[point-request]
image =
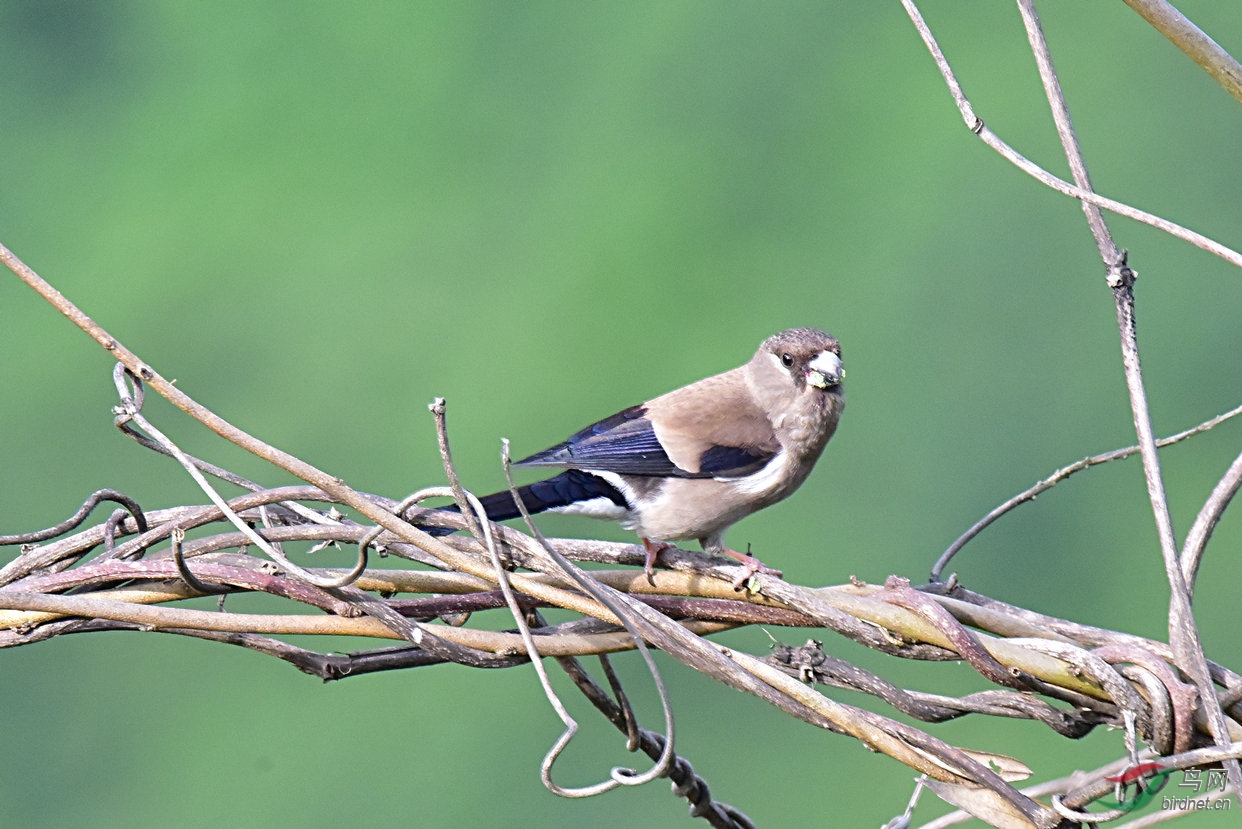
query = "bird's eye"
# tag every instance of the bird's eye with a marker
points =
(787, 360)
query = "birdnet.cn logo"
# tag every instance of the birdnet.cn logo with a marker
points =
(1141, 785)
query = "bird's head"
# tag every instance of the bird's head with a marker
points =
(797, 361)
(797, 378)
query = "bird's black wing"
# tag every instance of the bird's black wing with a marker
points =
(573, 486)
(626, 444)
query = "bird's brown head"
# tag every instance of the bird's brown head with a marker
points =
(799, 360)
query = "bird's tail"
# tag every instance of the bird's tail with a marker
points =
(571, 487)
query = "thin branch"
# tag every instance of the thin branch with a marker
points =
(130, 409)
(1205, 522)
(438, 411)
(480, 526)
(484, 643)
(1183, 633)
(1121, 280)
(1192, 40)
(976, 125)
(328, 483)
(618, 604)
(810, 663)
(78, 517)
(920, 751)
(686, 783)
(1065, 472)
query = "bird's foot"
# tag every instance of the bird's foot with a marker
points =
(653, 548)
(751, 566)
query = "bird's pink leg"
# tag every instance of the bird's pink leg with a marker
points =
(750, 565)
(653, 548)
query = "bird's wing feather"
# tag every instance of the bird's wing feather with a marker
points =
(624, 443)
(714, 427)
(629, 443)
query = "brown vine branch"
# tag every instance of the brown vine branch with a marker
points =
(1051, 651)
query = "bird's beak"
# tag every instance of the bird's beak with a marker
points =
(825, 371)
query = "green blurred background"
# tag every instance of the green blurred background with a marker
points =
(319, 216)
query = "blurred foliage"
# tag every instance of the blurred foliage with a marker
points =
(318, 216)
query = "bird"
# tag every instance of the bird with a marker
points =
(694, 461)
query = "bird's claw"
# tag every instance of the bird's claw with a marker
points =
(751, 567)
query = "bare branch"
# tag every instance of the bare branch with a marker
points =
(686, 783)
(976, 125)
(78, 517)
(1188, 37)
(616, 602)
(1050, 651)
(1201, 531)
(1183, 633)
(1065, 472)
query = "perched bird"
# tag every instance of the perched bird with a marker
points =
(695, 461)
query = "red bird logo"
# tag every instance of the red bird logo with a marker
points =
(1135, 772)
